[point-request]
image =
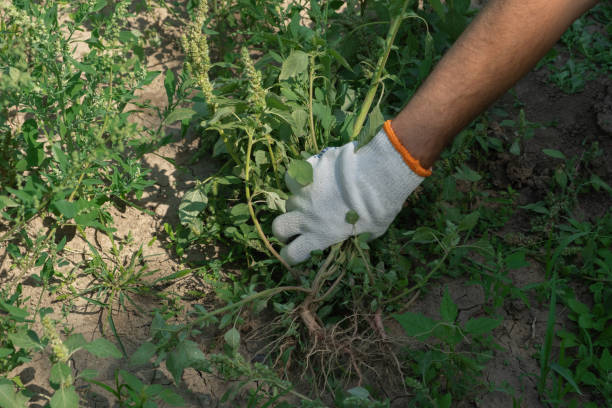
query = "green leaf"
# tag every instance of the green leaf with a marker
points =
(595, 181)
(232, 338)
(171, 398)
(561, 178)
(185, 354)
(131, 381)
(65, 398)
(170, 85)
(295, 64)
(536, 207)
(61, 375)
(151, 75)
(554, 153)
(371, 128)
(75, 342)
(60, 157)
(339, 58)
(424, 235)
(7, 202)
(324, 114)
(567, 374)
(144, 354)
(260, 157)
(516, 260)
(301, 171)
(179, 114)
(359, 392)
(351, 217)
(469, 221)
(515, 148)
(99, 5)
(88, 374)
(467, 174)
(427, 62)
(101, 347)
(577, 306)
(436, 5)
(129, 36)
(173, 276)
(16, 313)
(448, 309)
(480, 325)
(274, 201)
(444, 401)
(67, 208)
(193, 203)
(88, 69)
(605, 361)
(9, 398)
(416, 324)
(240, 213)
(298, 121)
(26, 339)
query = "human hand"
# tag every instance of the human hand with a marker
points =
(372, 182)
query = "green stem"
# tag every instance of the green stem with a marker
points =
(380, 66)
(247, 190)
(265, 293)
(313, 136)
(273, 159)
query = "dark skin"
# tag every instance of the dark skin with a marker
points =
(500, 46)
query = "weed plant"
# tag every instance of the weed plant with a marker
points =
(68, 150)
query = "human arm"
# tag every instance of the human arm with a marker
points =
(502, 44)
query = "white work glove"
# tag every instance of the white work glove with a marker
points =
(374, 182)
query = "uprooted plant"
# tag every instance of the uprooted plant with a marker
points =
(266, 118)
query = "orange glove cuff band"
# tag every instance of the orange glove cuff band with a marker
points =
(408, 159)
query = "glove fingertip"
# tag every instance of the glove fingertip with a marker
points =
(287, 225)
(291, 257)
(299, 249)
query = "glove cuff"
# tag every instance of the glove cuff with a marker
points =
(380, 170)
(408, 159)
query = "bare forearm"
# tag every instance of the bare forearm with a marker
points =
(502, 44)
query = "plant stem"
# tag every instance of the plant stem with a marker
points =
(313, 137)
(266, 293)
(273, 159)
(247, 190)
(380, 66)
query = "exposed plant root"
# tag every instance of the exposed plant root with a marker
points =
(314, 328)
(347, 349)
(356, 349)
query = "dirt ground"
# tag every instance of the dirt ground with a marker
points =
(580, 119)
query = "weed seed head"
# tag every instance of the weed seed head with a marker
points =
(257, 95)
(58, 348)
(195, 44)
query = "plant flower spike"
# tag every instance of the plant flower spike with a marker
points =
(195, 44)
